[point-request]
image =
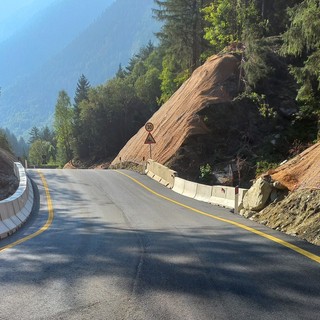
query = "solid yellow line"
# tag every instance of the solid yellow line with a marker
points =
(46, 225)
(284, 243)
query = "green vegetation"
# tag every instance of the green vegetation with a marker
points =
(206, 173)
(260, 33)
(43, 147)
(63, 128)
(302, 40)
(264, 166)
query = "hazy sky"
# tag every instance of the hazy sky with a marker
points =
(14, 14)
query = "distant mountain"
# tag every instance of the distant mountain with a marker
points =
(46, 33)
(110, 40)
(16, 14)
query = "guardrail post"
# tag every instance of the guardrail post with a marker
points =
(236, 200)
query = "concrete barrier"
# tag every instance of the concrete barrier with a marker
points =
(203, 192)
(218, 195)
(178, 185)
(15, 210)
(190, 189)
(223, 196)
(160, 173)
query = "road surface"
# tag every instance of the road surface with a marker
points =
(109, 247)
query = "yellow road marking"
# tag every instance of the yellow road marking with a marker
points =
(284, 243)
(46, 225)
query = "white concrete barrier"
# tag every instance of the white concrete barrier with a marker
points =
(190, 189)
(223, 196)
(15, 210)
(160, 173)
(218, 195)
(203, 192)
(178, 185)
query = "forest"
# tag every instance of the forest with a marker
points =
(98, 121)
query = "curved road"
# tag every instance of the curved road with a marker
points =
(117, 249)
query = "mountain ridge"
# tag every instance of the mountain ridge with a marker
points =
(110, 40)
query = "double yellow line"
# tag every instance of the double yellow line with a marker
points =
(284, 243)
(46, 225)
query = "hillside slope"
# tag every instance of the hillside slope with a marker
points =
(44, 35)
(178, 118)
(206, 123)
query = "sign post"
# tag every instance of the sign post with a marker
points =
(150, 139)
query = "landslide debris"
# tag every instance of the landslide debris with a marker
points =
(298, 213)
(8, 181)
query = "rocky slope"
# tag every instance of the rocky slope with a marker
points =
(299, 213)
(296, 212)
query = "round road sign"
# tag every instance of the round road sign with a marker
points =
(149, 126)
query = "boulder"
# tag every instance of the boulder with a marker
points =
(257, 196)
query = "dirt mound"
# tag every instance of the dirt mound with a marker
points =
(178, 118)
(301, 172)
(8, 181)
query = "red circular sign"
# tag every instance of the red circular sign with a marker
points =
(149, 126)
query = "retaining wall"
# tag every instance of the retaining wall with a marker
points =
(15, 210)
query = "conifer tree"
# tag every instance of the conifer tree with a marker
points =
(181, 39)
(81, 94)
(34, 134)
(302, 40)
(82, 89)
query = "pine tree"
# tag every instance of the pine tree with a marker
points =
(34, 134)
(82, 89)
(182, 31)
(302, 39)
(81, 94)
(181, 39)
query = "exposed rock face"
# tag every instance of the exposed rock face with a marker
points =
(178, 118)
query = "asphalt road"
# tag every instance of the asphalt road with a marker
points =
(116, 250)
